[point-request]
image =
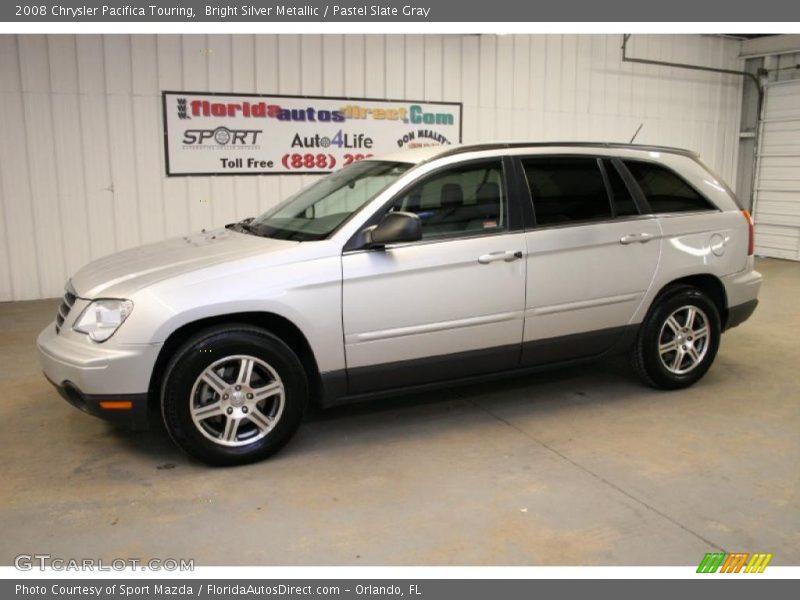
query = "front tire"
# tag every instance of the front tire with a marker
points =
(233, 395)
(679, 339)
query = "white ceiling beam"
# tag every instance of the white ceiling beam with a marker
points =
(769, 45)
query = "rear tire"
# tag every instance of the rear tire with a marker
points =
(233, 395)
(678, 340)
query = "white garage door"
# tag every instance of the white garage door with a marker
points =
(777, 192)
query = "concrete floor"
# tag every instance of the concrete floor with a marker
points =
(579, 466)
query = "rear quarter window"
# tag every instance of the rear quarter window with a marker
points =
(666, 192)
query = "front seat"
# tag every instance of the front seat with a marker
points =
(451, 200)
(485, 214)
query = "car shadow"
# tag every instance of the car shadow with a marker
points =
(571, 379)
(543, 392)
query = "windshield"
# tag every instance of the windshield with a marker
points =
(317, 211)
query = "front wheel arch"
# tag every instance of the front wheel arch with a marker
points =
(275, 324)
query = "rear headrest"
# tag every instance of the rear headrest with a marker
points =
(489, 192)
(452, 196)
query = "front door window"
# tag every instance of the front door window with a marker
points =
(461, 201)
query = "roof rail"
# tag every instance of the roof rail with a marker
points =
(611, 145)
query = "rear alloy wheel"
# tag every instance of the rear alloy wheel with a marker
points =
(683, 342)
(678, 340)
(233, 395)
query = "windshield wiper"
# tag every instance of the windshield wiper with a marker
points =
(249, 228)
(243, 225)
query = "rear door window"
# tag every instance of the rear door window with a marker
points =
(567, 190)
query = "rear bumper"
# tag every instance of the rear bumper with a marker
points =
(740, 313)
(125, 410)
(742, 287)
(741, 290)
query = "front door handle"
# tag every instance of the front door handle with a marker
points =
(506, 255)
(636, 238)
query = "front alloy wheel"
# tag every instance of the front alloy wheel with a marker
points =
(233, 394)
(237, 400)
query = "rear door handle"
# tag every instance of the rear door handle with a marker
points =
(636, 238)
(505, 255)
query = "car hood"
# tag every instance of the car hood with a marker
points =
(120, 274)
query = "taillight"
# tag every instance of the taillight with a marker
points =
(750, 233)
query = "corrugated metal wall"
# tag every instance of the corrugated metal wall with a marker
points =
(81, 157)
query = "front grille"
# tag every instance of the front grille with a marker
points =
(66, 305)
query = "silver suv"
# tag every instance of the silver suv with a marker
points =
(432, 266)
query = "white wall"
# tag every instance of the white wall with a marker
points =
(786, 67)
(81, 153)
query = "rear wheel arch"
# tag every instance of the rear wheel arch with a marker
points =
(280, 326)
(709, 284)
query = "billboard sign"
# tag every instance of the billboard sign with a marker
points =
(243, 134)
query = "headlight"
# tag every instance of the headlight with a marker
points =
(102, 318)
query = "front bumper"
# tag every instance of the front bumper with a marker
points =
(105, 380)
(126, 410)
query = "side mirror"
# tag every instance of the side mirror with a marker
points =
(394, 228)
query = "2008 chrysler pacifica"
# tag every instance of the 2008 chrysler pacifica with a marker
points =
(429, 266)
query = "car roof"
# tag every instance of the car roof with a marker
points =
(426, 153)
